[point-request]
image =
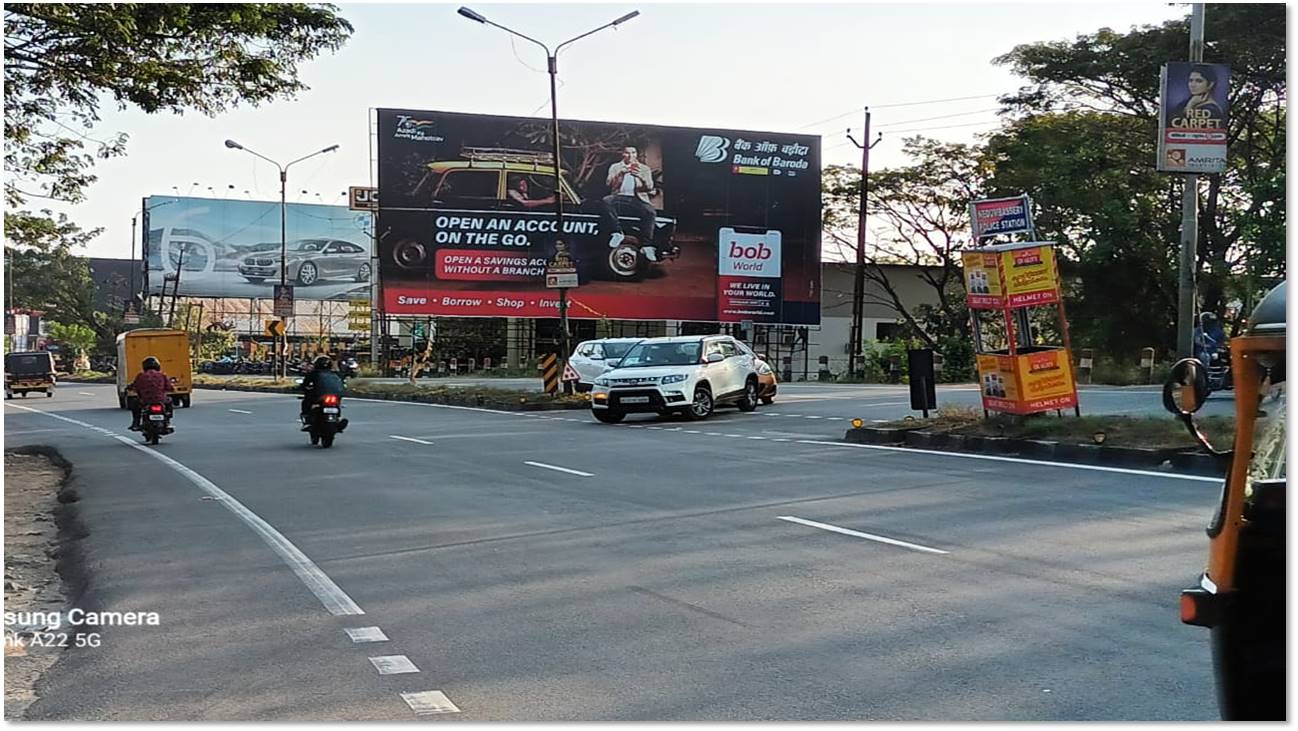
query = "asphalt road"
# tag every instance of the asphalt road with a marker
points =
(543, 567)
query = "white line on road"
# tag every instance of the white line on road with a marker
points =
(393, 665)
(1016, 460)
(409, 439)
(543, 465)
(366, 634)
(85, 393)
(239, 411)
(858, 534)
(334, 599)
(429, 702)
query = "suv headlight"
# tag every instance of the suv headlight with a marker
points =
(674, 378)
(601, 381)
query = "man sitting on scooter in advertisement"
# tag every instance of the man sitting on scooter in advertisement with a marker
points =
(322, 380)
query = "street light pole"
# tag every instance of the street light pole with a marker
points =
(552, 59)
(283, 227)
(1185, 298)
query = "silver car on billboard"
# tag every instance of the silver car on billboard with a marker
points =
(308, 262)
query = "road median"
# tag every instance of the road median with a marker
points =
(489, 398)
(1115, 440)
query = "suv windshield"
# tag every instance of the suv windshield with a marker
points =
(662, 354)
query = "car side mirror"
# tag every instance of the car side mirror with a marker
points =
(715, 357)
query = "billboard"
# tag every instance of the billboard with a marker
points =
(231, 248)
(1194, 117)
(1001, 216)
(661, 222)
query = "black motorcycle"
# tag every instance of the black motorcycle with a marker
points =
(155, 421)
(325, 419)
(1218, 369)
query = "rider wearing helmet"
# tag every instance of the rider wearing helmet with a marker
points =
(320, 381)
(151, 386)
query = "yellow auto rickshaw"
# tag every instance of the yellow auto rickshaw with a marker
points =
(1241, 594)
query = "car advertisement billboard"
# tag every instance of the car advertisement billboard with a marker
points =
(231, 248)
(1195, 114)
(661, 222)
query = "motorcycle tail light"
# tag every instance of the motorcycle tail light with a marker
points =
(329, 399)
(155, 408)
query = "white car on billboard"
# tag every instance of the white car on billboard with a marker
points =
(592, 357)
(688, 375)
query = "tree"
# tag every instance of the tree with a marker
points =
(45, 272)
(1115, 75)
(918, 215)
(62, 59)
(79, 338)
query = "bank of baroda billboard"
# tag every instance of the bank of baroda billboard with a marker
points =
(663, 222)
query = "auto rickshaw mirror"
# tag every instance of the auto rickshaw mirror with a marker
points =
(1186, 388)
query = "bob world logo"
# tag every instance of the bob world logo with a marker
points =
(712, 148)
(418, 130)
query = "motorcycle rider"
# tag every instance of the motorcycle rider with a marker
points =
(322, 380)
(151, 386)
(1208, 337)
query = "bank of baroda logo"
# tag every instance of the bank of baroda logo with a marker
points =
(712, 148)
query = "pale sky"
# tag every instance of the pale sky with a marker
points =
(773, 67)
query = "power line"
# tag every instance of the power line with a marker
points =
(944, 116)
(861, 109)
(914, 129)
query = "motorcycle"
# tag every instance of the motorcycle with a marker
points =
(348, 368)
(155, 421)
(325, 419)
(1219, 375)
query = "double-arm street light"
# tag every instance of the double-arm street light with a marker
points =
(552, 58)
(283, 213)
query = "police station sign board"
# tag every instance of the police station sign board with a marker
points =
(1001, 216)
(660, 222)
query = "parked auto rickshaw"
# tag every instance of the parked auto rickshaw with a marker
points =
(29, 371)
(1241, 594)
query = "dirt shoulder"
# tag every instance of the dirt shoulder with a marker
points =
(1147, 432)
(31, 585)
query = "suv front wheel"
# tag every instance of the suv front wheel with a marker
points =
(748, 402)
(702, 406)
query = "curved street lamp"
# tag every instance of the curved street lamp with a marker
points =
(552, 59)
(283, 213)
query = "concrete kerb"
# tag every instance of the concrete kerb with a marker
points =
(441, 399)
(1182, 460)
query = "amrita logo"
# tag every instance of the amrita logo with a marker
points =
(712, 149)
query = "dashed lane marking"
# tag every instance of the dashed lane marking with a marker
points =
(393, 665)
(859, 534)
(556, 468)
(366, 634)
(410, 439)
(239, 411)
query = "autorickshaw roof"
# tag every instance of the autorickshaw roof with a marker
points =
(1269, 317)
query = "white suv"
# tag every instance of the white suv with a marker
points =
(591, 358)
(689, 375)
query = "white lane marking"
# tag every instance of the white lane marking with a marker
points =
(543, 465)
(409, 439)
(733, 436)
(239, 411)
(393, 665)
(714, 433)
(366, 634)
(859, 534)
(1017, 460)
(770, 414)
(780, 439)
(429, 702)
(692, 431)
(85, 393)
(833, 418)
(811, 417)
(756, 437)
(334, 599)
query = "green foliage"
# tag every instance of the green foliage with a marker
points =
(63, 60)
(78, 338)
(1083, 145)
(46, 273)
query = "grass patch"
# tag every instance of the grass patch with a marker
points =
(1149, 432)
